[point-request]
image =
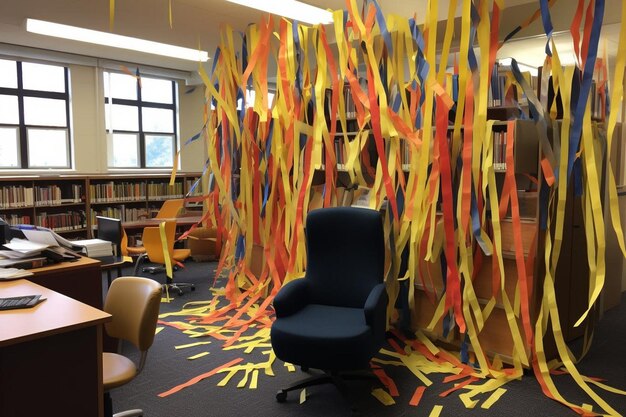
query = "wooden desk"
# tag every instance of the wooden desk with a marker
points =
(80, 280)
(180, 221)
(50, 355)
(112, 262)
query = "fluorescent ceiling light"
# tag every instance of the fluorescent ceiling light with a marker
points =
(292, 9)
(117, 41)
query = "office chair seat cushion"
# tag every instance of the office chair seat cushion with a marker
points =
(324, 337)
(135, 250)
(181, 254)
(117, 370)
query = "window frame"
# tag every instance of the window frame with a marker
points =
(22, 127)
(140, 104)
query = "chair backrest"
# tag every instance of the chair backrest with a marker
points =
(345, 254)
(123, 244)
(134, 304)
(152, 242)
(170, 209)
(111, 230)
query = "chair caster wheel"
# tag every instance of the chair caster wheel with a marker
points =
(281, 396)
(193, 288)
(180, 293)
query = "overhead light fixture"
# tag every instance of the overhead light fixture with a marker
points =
(292, 9)
(116, 41)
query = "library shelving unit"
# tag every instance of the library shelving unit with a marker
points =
(58, 203)
(343, 140)
(495, 337)
(69, 203)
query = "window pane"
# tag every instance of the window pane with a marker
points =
(157, 91)
(8, 74)
(125, 117)
(9, 112)
(122, 86)
(124, 150)
(159, 151)
(43, 77)
(157, 120)
(44, 111)
(9, 148)
(48, 148)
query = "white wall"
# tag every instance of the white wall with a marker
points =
(87, 120)
(191, 115)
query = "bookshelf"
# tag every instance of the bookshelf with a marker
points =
(495, 337)
(69, 204)
(55, 202)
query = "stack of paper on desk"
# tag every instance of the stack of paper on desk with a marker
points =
(24, 247)
(12, 273)
(95, 248)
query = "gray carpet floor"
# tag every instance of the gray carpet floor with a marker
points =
(167, 367)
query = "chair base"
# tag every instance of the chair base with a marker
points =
(153, 269)
(169, 286)
(129, 413)
(329, 377)
(108, 409)
(178, 287)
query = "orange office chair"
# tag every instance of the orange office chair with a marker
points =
(130, 250)
(154, 252)
(134, 304)
(170, 209)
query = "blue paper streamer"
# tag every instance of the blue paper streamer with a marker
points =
(380, 18)
(547, 24)
(578, 106)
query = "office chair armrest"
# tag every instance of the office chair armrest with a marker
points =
(291, 297)
(375, 309)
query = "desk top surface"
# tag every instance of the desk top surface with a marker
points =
(109, 262)
(57, 314)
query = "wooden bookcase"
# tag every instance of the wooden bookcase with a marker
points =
(68, 204)
(495, 337)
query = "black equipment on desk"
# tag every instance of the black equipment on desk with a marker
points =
(5, 232)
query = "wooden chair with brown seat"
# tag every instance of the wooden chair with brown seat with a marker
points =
(134, 304)
(202, 243)
(155, 253)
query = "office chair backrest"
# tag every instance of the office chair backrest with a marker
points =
(152, 242)
(134, 304)
(346, 254)
(110, 229)
(170, 209)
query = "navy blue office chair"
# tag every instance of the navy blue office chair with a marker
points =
(334, 319)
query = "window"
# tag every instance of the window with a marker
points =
(140, 120)
(250, 97)
(34, 115)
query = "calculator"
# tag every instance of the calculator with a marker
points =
(23, 301)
